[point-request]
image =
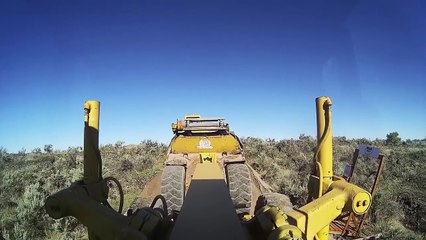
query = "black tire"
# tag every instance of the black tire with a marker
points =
(239, 184)
(173, 187)
(276, 200)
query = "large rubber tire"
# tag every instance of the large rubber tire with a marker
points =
(239, 184)
(173, 187)
(274, 199)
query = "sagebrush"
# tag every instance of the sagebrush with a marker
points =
(398, 210)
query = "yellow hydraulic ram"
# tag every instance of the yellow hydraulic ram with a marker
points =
(92, 158)
(324, 153)
(86, 200)
(332, 194)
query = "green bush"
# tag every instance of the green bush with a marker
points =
(398, 210)
(393, 138)
(28, 179)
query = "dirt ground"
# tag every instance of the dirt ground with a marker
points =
(152, 188)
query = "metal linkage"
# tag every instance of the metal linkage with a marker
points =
(205, 123)
(86, 200)
(331, 194)
(197, 123)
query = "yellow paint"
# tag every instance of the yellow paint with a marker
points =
(205, 144)
(325, 136)
(247, 217)
(208, 170)
(285, 232)
(273, 221)
(92, 160)
(324, 153)
(315, 216)
(323, 233)
(91, 113)
(321, 179)
(178, 126)
(208, 157)
(192, 116)
(333, 194)
(270, 218)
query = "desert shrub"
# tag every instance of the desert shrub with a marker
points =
(48, 148)
(393, 138)
(285, 164)
(126, 165)
(398, 209)
(36, 151)
(26, 179)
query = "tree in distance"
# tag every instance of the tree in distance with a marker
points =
(393, 139)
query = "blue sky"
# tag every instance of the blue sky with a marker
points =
(259, 64)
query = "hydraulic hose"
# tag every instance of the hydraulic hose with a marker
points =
(120, 190)
(164, 203)
(326, 132)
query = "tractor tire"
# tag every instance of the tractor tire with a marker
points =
(173, 187)
(239, 184)
(276, 200)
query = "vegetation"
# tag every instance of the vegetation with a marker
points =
(399, 207)
(27, 178)
(393, 138)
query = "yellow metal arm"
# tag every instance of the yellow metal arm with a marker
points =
(333, 194)
(86, 200)
(342, 196)
(324, 152)
(92, 157)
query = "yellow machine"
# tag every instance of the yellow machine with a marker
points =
(200, 140)
(207, 190)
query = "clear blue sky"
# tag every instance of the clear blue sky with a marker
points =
(260, 64)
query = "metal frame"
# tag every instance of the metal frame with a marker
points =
(353, 225)
(86, 200)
